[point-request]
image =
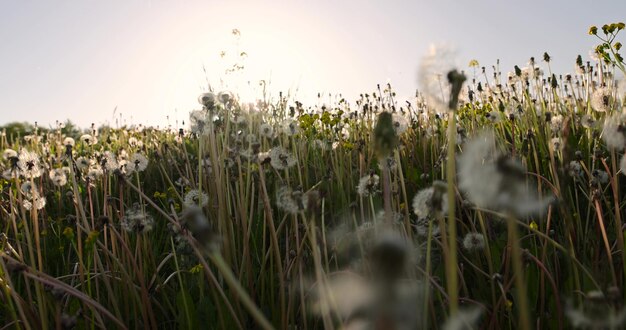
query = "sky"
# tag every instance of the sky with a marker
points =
(139, 61)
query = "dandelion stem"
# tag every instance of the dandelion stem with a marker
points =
(451, 260)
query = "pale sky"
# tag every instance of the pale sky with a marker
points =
(79, 60)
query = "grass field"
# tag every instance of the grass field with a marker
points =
(490, 200)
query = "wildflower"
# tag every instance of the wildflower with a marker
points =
(8, 154)
(556, 123)
(29, 165)
(69, 142)
(473, 242)
(263, 156)
(136, 220)
(225, 97)
(196, 197)
(290, 127)
(556, 143)
(291, 201)
(281, 159)
(400, 124)
(125, 167)
(37, 202)
(9, 174)
(95, 171)
(574, 169)
(266, 130)
(495, 181)
(368, 185)
(207, 100)
(33, 198)
(198, 121)
(138, 162)
(58, 177)
(109, 161)
(122, 155)
(599, 177)
(134, 142)
(601, 99)
(83, 163)
(587, 121)
(614, 131)
(28, 189)
(88, 139)
(430, 201)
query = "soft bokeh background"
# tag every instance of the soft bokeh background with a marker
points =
(81, 60)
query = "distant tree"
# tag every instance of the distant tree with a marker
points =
(71, 130)
(16, 130)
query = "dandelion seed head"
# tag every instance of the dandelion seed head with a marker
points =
(88, 139)
(400, 123)
(602, 99)
(291, 201)
(196, 197)
(266, 130)
(58, 177)
(29, 164)
(207, 99)
(135, 220)
(68, 141)
(83, 163)
(368, 185)
(556, 123)
(138, 162)
(614, 131)
(430, 201)
(495, 181)
(290, 127)
(574, 169)
(8, 154)
(473, 242)
(281, 159)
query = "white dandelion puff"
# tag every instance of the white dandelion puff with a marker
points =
(281, 159)
(430, 201)
(614, 131)
(58, 177)
(196, 197)
(368, 185)
(29, 165)
(138, 162)
(473, 242)
(601, 99)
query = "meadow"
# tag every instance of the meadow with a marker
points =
(491, 201)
